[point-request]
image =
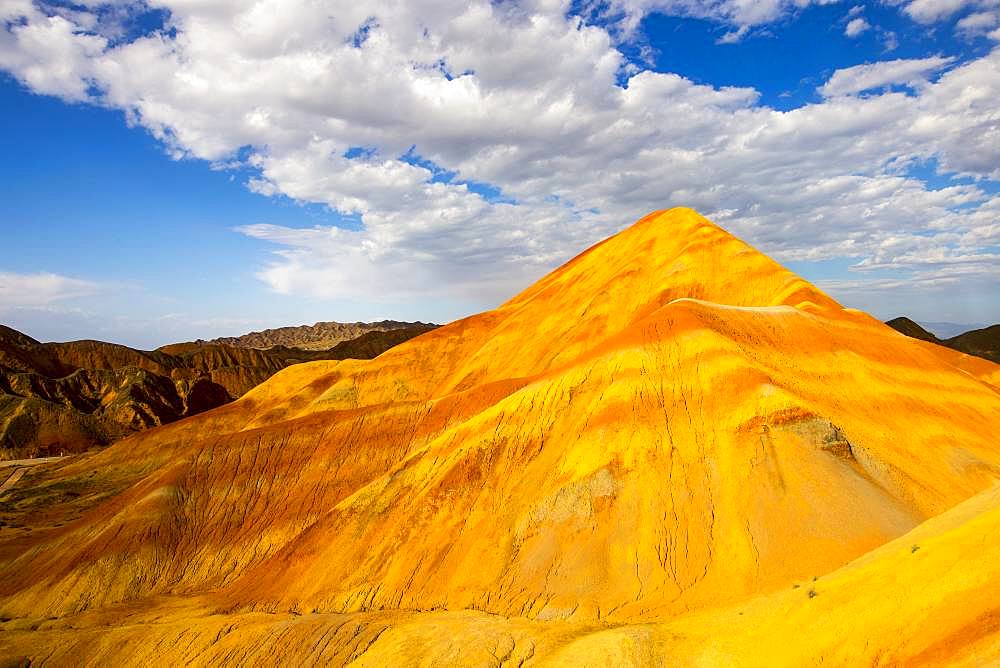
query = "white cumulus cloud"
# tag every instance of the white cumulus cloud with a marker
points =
(41, 289)
(929, 11)
(978, 23)
(932, 11)
(856, 26)
(857, 79)
(741, 14)
(399, 113)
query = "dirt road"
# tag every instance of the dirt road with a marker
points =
(20, 466)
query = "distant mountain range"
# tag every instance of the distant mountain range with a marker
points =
(321, 336)
(68, 397)
(946, 330)
(983, 342)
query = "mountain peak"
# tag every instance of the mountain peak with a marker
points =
(666, 256)
(676, 253)
(11, 336)
(904, 325)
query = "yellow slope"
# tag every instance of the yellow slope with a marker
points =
(930, 597)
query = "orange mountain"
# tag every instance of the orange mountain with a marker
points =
(671, 449)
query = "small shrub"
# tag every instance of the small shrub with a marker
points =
(812, 593)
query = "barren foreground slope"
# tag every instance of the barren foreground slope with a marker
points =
(669, 449)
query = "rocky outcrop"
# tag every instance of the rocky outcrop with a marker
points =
(321, 336)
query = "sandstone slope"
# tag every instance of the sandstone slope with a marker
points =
(68, 397)
(634, 461)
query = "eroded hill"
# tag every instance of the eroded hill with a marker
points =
(671, 449)
(318, 337)
(60, 398)
(984, 342)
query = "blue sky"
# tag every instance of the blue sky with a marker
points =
(92, 198)
(786, 61)
(156, 191)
